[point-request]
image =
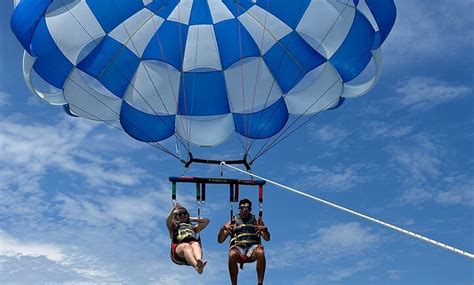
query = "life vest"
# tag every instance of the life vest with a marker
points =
(184, 232)
(245, 232)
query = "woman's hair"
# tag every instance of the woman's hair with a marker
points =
(181, 209)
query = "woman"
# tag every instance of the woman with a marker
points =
(185, 245)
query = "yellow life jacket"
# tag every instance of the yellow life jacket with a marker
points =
(245, 232)
(184, 232)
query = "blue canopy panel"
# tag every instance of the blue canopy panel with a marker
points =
(203, 94)
(111, 13)
(25, 19)
(339, 103)
(67, 110)
(291, 14)
(157, 5)
(355, 52)
(385, 13)
(234, 42)
(113, 64)
(163, 8)
(168, 44)
(200, 13)
(50, 64)
(240, 8)
(263, 124)
(290, 59)
(145, 127)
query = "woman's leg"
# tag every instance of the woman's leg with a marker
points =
(197, 252)
(184, 250)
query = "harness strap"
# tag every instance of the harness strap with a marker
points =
(182, 234)
(244, 235)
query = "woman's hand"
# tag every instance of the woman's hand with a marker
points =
(175, 208)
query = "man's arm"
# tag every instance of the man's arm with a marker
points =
(263, 231)
(224, 232)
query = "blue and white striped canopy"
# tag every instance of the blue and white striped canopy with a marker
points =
(201, 69)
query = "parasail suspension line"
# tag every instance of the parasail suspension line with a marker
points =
(374, 220)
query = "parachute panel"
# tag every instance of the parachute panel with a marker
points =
(247, 78)
(201, 70)
(154, 88)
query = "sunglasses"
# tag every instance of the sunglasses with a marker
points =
(180, 214)
(242, 208)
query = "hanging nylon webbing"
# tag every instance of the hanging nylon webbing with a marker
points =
(393, 227)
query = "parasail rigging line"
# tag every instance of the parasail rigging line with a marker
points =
(271, 142)
(130, 35)
(276, 141)
(193, 89)
(264, 149)
(157, 145)
(355, 213)
(187, 147)
(282, 136)
(245, 145)
(264, 26)
(286, 133)
(265, 29)
(169, 81)
(154, 144)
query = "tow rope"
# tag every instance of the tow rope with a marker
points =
(374, 220)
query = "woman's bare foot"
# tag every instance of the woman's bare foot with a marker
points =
(200, 266)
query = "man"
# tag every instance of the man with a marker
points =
(245, 232)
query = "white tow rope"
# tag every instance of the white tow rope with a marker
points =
(407, 232)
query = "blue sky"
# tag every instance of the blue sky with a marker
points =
(81, 203)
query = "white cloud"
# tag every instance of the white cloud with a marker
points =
(446, 193)
(387, 130)
(416, 196)
(458, 193)
(133, 211)
(325, 249)
(424, 168)
(328, 134)
(349, 238)
(109, 212)
(423, 92)
(421, 161)
(11, 247)
(427, 29)
(25, 262)
(328, 244)
(394, 274)
(339, 178)
(4, 97)
(34, 148)
(344, 273)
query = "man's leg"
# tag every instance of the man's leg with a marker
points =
(259, 255)
(234, 258)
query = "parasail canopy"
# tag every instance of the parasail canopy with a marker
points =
(201, 70)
